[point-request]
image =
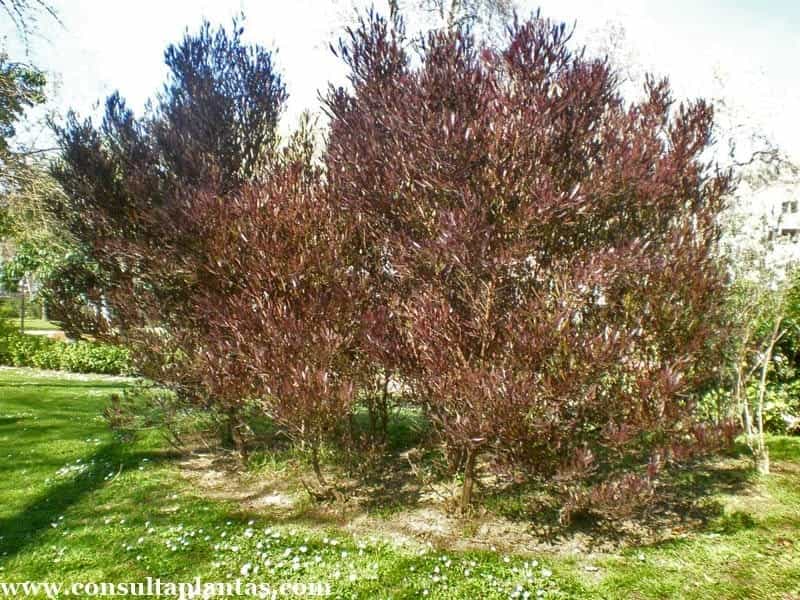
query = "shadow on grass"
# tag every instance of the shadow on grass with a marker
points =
(381, 481)
(374, 473)
(43, 512)
(383, 476)
(687, 500)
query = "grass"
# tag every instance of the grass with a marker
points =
(34, 324)
(77, 506)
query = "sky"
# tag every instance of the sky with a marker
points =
(746, 51)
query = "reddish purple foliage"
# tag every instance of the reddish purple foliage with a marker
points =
(547, 272)
(533, 255)
(281, 307)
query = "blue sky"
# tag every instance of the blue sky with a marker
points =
(745, 50)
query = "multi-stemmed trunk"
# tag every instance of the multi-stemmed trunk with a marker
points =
(754, 424)
(469, 480)
(233, 435)
(760, 452)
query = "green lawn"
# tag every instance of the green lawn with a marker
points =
(75, 506)
(35, 324)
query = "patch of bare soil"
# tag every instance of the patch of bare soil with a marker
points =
(401, 511)
(219, 477)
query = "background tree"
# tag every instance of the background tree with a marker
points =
(762, 303)
(21, 87)
(484, 14)
(765, 312)
(28, 244)
(488, 18)
(25, 14)
(762, 261)
(36, 247)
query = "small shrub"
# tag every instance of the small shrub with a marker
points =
(18, 350)
(781, 406)
(89, 357)
(146, 407)
(8, 308)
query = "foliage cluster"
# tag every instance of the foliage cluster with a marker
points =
(532, 257)
(20, 350)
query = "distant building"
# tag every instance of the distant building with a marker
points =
(782, 220)
(763, 230)
(788, 222)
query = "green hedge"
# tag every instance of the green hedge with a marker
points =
(18, 350)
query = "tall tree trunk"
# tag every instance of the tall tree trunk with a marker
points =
(761, 452)
(22, 313)
(744, 404)
(740, 385)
